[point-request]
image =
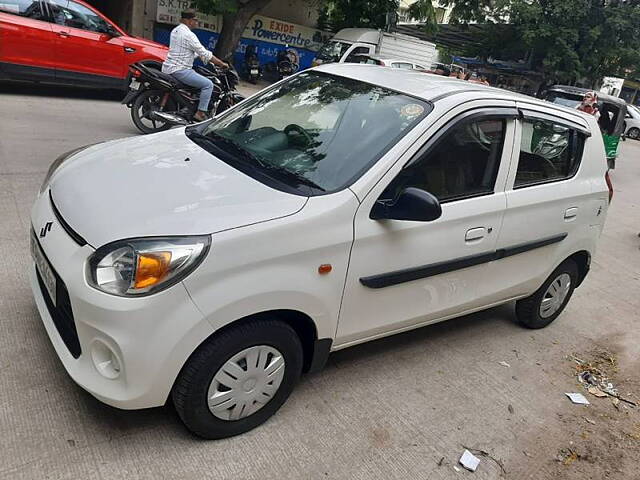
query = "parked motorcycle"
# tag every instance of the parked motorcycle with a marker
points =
(285, 64)
(251, 64)
(159, 101)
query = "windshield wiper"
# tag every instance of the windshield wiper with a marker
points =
(252, 160)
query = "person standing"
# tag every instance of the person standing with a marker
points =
(184, 48)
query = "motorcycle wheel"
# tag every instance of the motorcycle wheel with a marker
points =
(144, 104)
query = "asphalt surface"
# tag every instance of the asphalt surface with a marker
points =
(402, 407)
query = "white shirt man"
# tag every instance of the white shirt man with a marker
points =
(184, 48)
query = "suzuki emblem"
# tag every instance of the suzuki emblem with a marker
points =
(44, 230)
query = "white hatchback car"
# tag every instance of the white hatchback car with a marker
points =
(213, 265)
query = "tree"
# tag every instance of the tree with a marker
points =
(357, 13)
(236, 14)
(568, 41)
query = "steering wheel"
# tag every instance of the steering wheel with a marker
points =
(294, 127)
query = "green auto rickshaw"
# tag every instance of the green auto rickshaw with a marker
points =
(612, 114)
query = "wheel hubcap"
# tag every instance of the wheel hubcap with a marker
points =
(555, 295)
(246, 382)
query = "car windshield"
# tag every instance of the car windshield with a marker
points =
(566, 99)
(313, 134)
(332, 51)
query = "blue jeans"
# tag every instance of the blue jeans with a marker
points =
(192, 78)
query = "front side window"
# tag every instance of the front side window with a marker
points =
(315, 133)
(72, 14)
(24, 8)
(332, 51)
(548, 151)
(463, 163)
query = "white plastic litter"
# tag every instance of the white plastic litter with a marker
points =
(578, 398)
(504, 364)
(469, 461)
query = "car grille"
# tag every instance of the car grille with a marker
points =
(62, 314)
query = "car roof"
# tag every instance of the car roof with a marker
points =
(581, 91)
(384, 59)
(419, 84)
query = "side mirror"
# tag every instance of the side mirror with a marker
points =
(412, 204)
(112, 32)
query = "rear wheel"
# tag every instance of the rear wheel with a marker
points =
(238, 379)
(544, 306)
(634, 133)
(142, 111)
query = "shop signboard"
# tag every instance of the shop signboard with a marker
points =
(268, 35)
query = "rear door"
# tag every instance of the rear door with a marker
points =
(26, 40)
(85, 51)
(405, 273)
(550, 203)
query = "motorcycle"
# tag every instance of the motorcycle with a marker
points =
(158, 101)
(285, 64)
(251, 64)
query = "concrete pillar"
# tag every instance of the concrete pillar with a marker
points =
(138, 18)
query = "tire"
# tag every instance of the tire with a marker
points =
(193, 387)
(141, 107)
(634, 133)
(529, 311)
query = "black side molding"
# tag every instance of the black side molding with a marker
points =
(415, 273)
(321, 350)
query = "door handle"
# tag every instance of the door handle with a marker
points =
(63, 34)
(475, 234)
(571, 213)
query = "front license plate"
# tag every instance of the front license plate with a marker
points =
(134, 85)
(254, 71)
(42, 264)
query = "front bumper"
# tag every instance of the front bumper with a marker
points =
(150, 337)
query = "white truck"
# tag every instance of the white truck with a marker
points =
(349, 42)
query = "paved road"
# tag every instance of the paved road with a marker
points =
(389, 409)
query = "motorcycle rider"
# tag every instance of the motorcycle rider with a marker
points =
(184, 47)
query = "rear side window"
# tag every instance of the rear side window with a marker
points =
(464, 163)
(548, 152)
(24, 8)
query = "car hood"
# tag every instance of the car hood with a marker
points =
(157, 185)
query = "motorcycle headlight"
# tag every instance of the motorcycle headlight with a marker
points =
(57, 163)
(144, 266)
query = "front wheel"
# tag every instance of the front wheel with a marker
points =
(544, 306)
(238, 379)
(142, 111)
(634, 133)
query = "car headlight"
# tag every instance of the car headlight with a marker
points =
(57, 163)
(146, 265)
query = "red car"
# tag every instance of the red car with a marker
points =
(68, 42)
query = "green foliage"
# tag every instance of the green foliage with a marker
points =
(358, 13)
(216, 7)
(568, 40)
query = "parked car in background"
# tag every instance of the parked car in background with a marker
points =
(353, 41)
(212, 265)
(632, 122)
(383, 62)
(68, 42)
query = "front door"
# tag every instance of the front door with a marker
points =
(85, 51)
(405, 273)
